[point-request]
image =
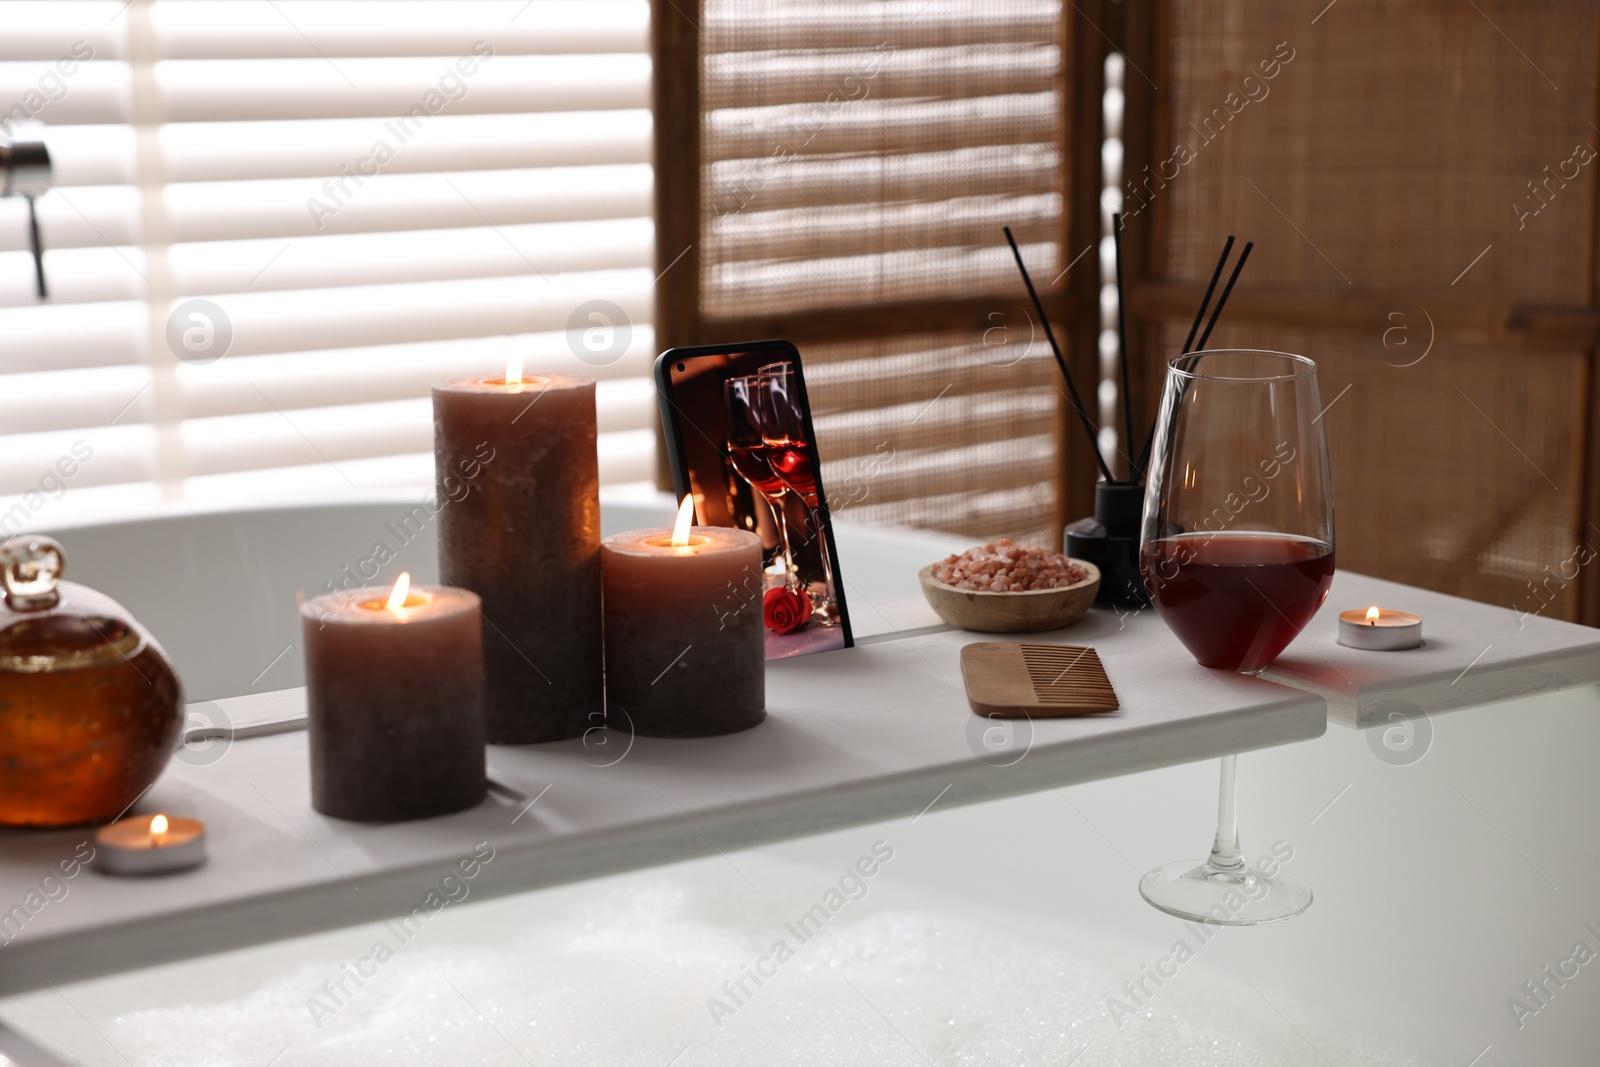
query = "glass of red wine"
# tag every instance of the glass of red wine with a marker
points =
(794, 459)
(1237, 555)
(747, 450)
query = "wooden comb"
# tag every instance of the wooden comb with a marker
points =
(1013, 681)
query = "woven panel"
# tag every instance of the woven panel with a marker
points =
(939, 431)
(1396, 145)
(1460, 473)
(1419, 150)
(857, 154)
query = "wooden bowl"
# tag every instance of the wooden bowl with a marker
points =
(1024, 612)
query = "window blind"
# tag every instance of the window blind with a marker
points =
(863, 158)
(272, 225)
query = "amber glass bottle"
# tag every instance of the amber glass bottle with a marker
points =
(90, 707)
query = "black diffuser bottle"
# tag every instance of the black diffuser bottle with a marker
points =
(1110, 540)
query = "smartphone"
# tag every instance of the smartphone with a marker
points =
(740, 441)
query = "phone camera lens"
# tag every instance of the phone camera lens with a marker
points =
(680, 366)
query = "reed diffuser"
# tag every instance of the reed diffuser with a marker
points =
(1110, 538)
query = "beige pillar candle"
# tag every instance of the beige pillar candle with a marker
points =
(685, 649)
(526, 538)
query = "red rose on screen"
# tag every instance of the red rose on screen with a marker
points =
(785, 610)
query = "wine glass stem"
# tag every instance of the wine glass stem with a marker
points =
(791, 574)
(1225, 850)
(822, 545)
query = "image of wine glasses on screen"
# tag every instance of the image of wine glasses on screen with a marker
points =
(793, 458)
(747, 451)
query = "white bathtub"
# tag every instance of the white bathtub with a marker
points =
(1003, 933)
(219, 589)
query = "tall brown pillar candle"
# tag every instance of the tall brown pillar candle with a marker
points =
(517, 463)
(394, 693)
(685, 649)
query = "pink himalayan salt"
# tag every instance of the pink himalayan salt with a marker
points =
(1003, 566)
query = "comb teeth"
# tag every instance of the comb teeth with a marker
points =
(1008, 680)
(1067, 674)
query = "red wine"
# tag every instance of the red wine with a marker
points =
(1236, 600)
(794, 463)
(752, 464)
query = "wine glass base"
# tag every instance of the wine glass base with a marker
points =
(1195, 890)
(824, 609)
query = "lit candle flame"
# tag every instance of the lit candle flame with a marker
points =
(514, 369)
(158, 827)
(680, 529)
(1372, 616)
(397, 595)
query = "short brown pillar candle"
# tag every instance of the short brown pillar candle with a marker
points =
(525, 536)
(394, 691)
(685, 650)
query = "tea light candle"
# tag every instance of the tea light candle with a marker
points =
(685, 651)
(150, 845)
(516, 460)
(1379, 629)
(394, 696)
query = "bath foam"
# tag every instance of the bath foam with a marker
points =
(622, 971)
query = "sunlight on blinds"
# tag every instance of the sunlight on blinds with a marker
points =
(859, 155)
(271, 225)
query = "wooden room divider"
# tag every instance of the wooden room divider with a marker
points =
(1418, 177)
(1412, 174)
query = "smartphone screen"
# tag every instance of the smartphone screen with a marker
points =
(740, 439)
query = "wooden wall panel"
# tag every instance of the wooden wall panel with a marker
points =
(1420, 182)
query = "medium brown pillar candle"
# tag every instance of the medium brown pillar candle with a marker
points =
(685, 651)
(394, 691)
(519, 467)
